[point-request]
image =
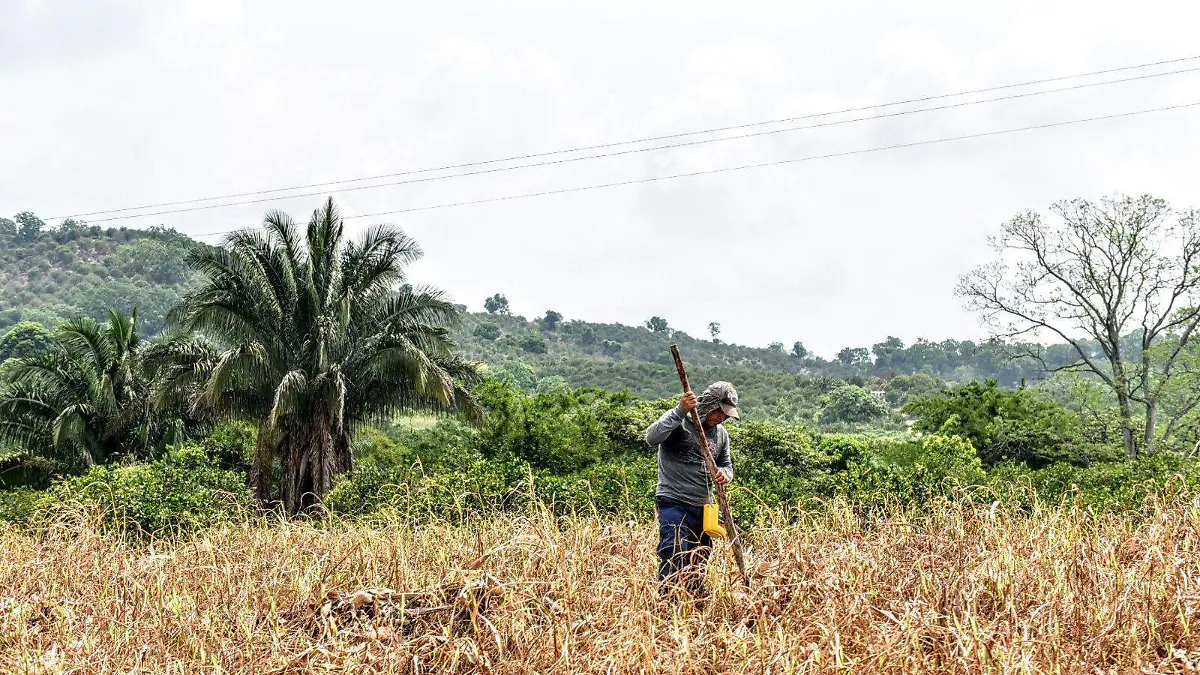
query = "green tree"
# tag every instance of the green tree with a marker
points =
(798, 350)
(497, 304)
(657, 324)
(854, 356)
(51, 314)
(71, 229)
(8, 229)
(159, 261)
(486, 331)
(1018, 426)
(885, 352)
(714, 329)
(85, 399)
(551, 320)
(904, 389)
(849, 403)
(611, 347)
(316, 341)
(534, 344)
(153, 301)
(587, 336)
(29, 226)
(775, 347)
(520, 373)
(25, 339)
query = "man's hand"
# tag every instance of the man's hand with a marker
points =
(688, 402)
(721, 478)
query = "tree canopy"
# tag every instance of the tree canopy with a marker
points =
(311, 335)
(85, 398)
(1097, 275)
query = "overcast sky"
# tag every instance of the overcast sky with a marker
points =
(112, 104)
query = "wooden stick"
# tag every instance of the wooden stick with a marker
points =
(735, 536)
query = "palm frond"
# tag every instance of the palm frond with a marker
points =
(70, 426)
(288, 396)
(87, 334)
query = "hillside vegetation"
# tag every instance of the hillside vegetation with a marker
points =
(49, 275)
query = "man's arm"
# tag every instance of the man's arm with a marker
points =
(723, 459)
(659, 431)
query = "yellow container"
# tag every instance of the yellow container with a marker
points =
(712, 522)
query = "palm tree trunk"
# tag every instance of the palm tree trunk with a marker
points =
(312, 460)
(262, 465)
(292, 468)
(324, 457)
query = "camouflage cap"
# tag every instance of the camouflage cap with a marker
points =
(718, 395)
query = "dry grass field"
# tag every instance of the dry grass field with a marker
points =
(958, 590)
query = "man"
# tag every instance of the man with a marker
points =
(683, 482)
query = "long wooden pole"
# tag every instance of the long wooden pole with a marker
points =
(735, 536)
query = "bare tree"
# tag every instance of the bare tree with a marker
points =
(1117, 280)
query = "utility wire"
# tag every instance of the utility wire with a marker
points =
(682, 144)
(635, 141)
(796, 160)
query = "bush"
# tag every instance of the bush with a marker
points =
(19, 505)
(1003, 426)
(909, 471)
(622, 485)
(849, 403)
(534, 344)
(1114, 486)
(477, 484)
(487, 331)
(231, 445)
(183, 491)
(559, 432)
(19, 469)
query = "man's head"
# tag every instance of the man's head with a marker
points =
(717, 404)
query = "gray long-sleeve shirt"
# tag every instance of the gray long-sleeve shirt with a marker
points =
(682, 475)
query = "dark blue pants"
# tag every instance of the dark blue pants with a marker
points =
(683, 547)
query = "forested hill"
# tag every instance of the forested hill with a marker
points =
(550, 352)
(51, 274)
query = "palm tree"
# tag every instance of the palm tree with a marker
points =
(311, 336)
(84, 399)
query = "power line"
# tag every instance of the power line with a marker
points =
(682, 144)
(601, 146)
(796, 160)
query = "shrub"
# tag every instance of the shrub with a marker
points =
(19, 505)
(183, 491)
(1113, 486)
(622, 485)
(559, 431)
(476, 485)
(231, 445)
(849, 403)
(534, 344)
(1003, 426)
(487, 331)
(910, 471)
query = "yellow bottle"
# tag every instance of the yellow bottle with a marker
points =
(712, 522)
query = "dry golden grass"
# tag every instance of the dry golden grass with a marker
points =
(961, 590)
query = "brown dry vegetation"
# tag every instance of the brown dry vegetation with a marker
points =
(960, 589)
